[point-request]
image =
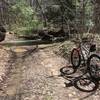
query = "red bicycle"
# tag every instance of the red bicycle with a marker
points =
(85, 55)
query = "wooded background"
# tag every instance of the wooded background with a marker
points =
(22, 16)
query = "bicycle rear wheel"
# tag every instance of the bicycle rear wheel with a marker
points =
(93, 64)
(75, 58)
(86, 84)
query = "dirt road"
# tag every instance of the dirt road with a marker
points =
(36, 77)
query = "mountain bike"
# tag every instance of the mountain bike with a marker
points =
(85, 55)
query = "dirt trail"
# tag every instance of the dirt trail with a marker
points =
(35, 77)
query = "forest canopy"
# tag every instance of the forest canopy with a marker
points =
(23, 16)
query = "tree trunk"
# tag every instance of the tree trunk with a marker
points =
(97, 16)
(42, 12)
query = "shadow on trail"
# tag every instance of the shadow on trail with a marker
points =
(9, 66)
(24, 54)
(82, 82)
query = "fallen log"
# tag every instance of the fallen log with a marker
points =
(31, 42)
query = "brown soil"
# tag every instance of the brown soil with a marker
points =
(36, 77)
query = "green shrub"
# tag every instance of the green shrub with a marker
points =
(25, 18)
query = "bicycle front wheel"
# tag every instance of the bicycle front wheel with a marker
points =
(93, 64)
(75, 58)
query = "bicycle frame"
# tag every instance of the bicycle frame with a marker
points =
(84, 52)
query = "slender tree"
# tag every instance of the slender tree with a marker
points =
(97, 15)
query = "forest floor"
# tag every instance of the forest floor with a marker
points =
(35, 76)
